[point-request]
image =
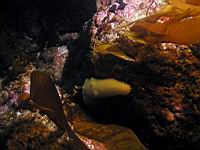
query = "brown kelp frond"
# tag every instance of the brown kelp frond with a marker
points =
(44, 94)
(185, 4)
(111, 137)
(171, 24)
(111, 48)
(193, 2)
(101, 136)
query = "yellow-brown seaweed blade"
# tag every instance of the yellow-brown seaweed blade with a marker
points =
(178, 28)
(193, 2)
(103, 136)
(185, 4)
(184, 32)
(43, 92)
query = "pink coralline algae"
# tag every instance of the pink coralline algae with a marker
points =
(3, 109)
(14, 93)
(120, 12)
(61, 54)
(105, 2)
(13, 98)
(26, 87)
(18, 87)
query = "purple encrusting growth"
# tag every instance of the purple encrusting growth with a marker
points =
(104, 1)
(120, 12)
(3, 109)
(13, 98)
(14, 93)
(61, 54)
(15, 88)
(26, 87)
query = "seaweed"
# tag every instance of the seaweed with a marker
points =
(83, 134)
(173, 24)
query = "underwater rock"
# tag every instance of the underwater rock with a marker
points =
(4, 95)
(165, 82)
(196, 50)
(53, 60)
(28, 134)
(68, 37)
(162, 83)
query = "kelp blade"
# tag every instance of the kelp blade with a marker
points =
(113, 49)
(113, 137)
(186, 3)
(44, 94)
(178, 27)
(103, 136)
